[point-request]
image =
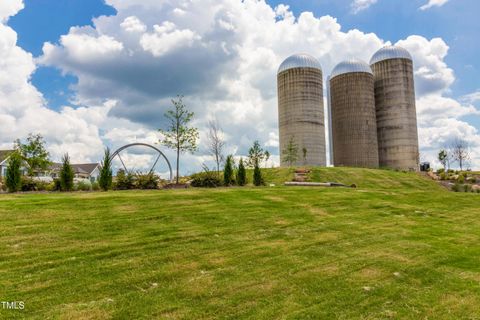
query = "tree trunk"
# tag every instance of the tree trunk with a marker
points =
(178, 163)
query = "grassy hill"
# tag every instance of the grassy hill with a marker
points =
(396, 247)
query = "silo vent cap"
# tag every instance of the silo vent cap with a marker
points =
(390, 52)
(351, 66)
(301, 60)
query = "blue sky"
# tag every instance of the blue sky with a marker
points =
(117, 73)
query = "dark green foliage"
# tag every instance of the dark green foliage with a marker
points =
(461, 178)
(257, 176)
(206, 179)
(440, 171)
(57, 186)
(124, 181)
(34, 153)
(66, 174)
(105, 179)
(147, 181)
(228, 179)
(14, 174)
(241, 174)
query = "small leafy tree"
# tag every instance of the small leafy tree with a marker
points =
(228, 171)
(178, 135)
(105, 179)
(443, 158)
(33, 153)
(241, 174)
(257, 176)
(14, 174)
(255, 155)
(66, 174)
(290, 153)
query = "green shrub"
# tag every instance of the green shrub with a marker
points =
(241, 174)
(440, 171)
(147, 181)
(461, 178)
(257, 176)
(28, 184)
(95, 186)
(66, 174)
(105, 180)
(53, 186)
(57, 185)
(83, 186)
(124, 181)
(207, 179)
(457, 187)
(228, 172)
(467, 188)
(443, 176)
(14, 175)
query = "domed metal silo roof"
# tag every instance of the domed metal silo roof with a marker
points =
(301, 60)
(350, 66)
(390, 52)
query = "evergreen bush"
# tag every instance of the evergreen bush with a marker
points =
(257, 176)
(14, 175)
(241, 174)
(66, 174)
(228, 172)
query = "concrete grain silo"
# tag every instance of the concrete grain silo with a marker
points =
(300, 109)
(353, 119)
(395, 105)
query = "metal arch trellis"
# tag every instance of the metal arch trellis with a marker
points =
(160, 154)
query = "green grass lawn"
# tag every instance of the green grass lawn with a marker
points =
(397, 247)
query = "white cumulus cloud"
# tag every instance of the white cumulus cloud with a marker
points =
(433, 3)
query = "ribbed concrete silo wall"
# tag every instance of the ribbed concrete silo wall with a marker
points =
(396, 114)
(301, 114)
(354, 124)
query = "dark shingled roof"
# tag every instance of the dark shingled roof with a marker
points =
(85, 168)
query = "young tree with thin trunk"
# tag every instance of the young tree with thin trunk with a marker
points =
(105, 180)
(255, 155)
(216, 143)
(443, 158)
(34, 153)
(460, 151)
(179, 136)
(14, 174)
(290, 153)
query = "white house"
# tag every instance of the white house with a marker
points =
(4, 156)
(89, 171)
(85, 171)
